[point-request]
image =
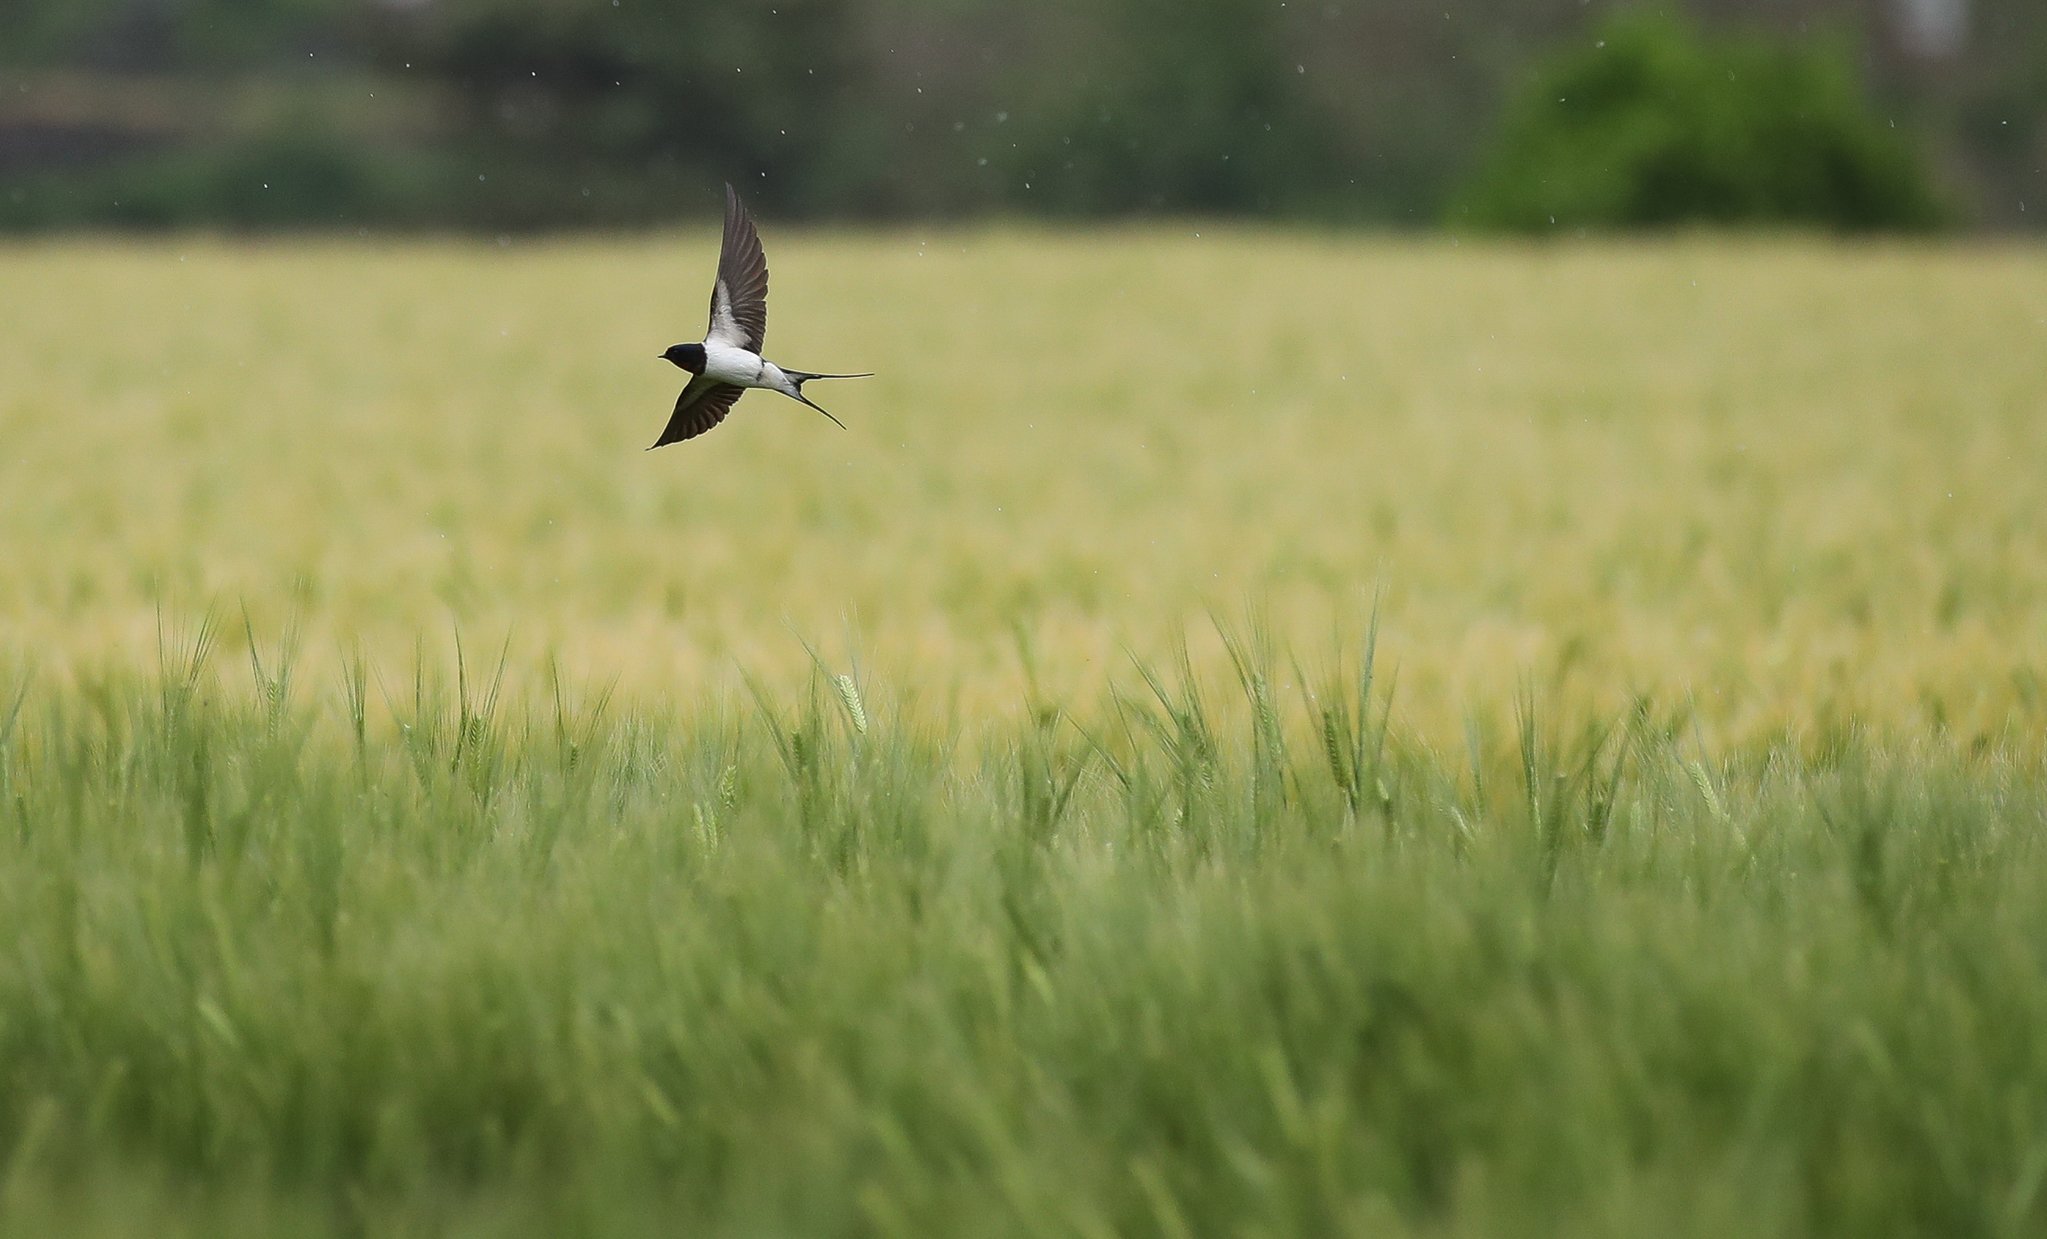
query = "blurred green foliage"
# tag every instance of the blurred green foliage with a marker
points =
(510, 114)
(1658, 123)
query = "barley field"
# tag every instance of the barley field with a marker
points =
(1247, 734)
(1783, 481)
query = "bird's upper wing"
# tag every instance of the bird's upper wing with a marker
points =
(702, 405)
(739, 300)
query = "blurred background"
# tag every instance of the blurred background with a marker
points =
(1528, 115)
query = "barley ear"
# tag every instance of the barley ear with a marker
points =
(850, 694)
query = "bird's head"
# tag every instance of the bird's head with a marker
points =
(688, 356)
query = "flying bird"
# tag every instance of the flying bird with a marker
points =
(728, 360)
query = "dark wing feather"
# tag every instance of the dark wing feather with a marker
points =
(739, 300)
(702, 405)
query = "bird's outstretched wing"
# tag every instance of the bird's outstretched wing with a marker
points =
(702, 405)
(739, 300)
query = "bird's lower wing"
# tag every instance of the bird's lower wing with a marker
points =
(702, 405)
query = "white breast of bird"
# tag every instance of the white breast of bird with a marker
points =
(738, 366)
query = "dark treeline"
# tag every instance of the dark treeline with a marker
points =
(505, 114)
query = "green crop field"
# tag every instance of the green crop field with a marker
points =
(1247, 734)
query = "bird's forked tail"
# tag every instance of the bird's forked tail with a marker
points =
(797, 378)
(800, 377)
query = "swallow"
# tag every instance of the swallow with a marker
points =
(728, 360)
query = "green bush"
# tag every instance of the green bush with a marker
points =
(1660, 124)
(287, 178)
